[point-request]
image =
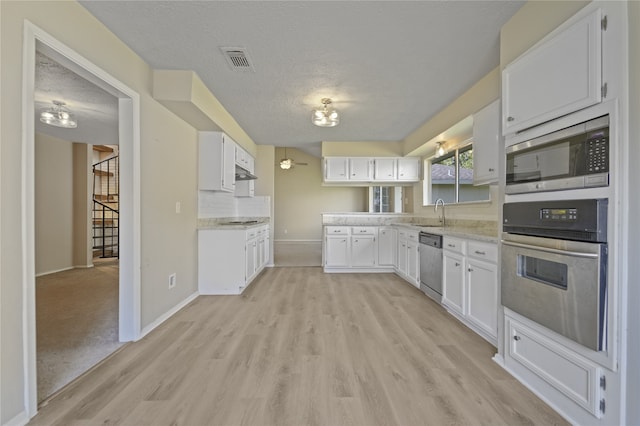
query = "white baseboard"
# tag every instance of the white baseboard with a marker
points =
(41, 274)
(20, 420)
(167, 315)
(91, 265)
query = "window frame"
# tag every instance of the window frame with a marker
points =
(427, 186)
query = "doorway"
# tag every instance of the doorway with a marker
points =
(128, 130)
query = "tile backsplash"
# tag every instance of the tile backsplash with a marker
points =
(223, 204)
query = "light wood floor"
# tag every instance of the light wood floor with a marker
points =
(304, 348)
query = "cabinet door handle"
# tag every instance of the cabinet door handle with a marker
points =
(457, 264)
(516, 338)
(482, 253)
(451, 245)
(470, 270)
(491, 169)
(510, 118)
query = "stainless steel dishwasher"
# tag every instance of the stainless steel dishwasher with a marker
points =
(431, 265)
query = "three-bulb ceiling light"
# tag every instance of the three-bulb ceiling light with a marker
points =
(440, 149)
(59, 115)
(326, 116)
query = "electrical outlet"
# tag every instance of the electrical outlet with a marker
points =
(178, 207)
(172, 280)
(285, 231)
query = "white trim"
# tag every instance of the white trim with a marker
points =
(129, 151)
(55, 271)
(148, 329)
(19, 420)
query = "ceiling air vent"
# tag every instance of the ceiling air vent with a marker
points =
(238, 59)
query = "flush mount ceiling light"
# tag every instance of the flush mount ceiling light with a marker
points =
(440, 149)
(58, 115)
(326, 116)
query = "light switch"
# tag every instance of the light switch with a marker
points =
(178, 206)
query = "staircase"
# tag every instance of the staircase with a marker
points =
(105, 214)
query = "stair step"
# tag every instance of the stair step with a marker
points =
(104, 221)
(110, 198)
(102, 148)
(99, 172)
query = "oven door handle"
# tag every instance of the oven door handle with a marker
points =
(552, 250)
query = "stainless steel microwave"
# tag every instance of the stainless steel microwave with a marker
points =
(570, 158)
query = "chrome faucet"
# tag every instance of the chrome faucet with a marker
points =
(442, 219)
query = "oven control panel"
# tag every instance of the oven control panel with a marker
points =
(559, 215)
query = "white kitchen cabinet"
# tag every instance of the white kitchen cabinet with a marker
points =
(482, 294)
(245, 188)
(363, 250)
(453, 281)
(408, 266)
(413, 261)
(251, 263)
(216, 162)
(360, 169)
(559, 75)
(387, 246)
(408, 169)
(229, 259)
(336, 169)
(533, 355)
(385, 169)
(337, 250)
(470, 284)
(486, 143)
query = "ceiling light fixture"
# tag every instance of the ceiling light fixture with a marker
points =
(440, 149)
(286, 163)
(59, 115)
(326, 116)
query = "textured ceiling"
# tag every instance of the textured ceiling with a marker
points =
(96, 110)
(388, 65)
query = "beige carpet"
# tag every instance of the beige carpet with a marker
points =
(77, 323)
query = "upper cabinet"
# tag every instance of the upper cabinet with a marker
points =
(336, 169)
(216, 162)
(360, 170)
(385, 169)
(409, 169)
(486, 136)
(559, 75)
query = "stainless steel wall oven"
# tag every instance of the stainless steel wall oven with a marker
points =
(554, 266)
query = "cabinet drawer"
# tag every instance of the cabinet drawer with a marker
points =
(252, 233)
(453, 244)
(483, 251)
(363, 230)
(571, 374)
(336, 230)
(413, 236)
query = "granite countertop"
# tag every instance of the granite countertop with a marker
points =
(480, 232)
(231, 222)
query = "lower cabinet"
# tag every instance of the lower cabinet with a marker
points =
(358, 249)
(470, 284)
(408, 265)
(550, 368)
(229, 259)
(387, 246)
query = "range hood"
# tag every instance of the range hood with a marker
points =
(244, 174)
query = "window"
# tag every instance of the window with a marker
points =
(451, 178)
(385, 199)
